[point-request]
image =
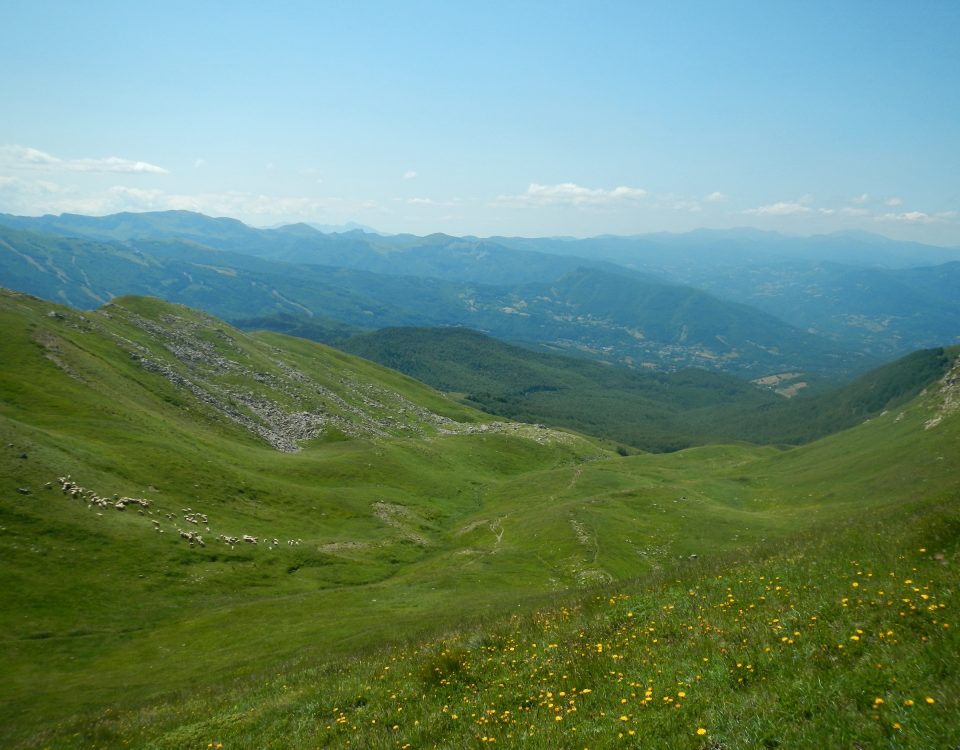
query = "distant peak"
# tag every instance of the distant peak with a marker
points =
(350, 226)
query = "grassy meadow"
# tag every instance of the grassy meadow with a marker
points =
(441, 579)
(832, 640)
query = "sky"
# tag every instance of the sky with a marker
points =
(489, 118)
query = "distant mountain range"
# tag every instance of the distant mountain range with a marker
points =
(435, 256)
(861, 290)
(350, 226)
(615, 317)
(742, 302)
(876, 310)
(716, 248)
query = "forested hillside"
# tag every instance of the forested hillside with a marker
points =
(651, 411)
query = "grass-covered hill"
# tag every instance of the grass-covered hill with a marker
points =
(425, 576)
(616, 316)
(653, 411)
(358, 483)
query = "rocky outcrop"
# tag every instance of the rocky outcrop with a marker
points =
(949, 393)
(283, 407)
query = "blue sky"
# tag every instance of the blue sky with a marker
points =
(536, 118)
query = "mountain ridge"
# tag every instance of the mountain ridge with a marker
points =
(825, 284)
(580, 320)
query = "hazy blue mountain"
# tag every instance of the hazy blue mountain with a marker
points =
(434, 256)
(878, 295)
(613, 317)
(183, 225)
(350, 226)
(869, 303)
(648, 322)
(860, 290)
(878, 310)
(710, 248)
(437, 255)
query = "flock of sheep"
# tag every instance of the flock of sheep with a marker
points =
(74, 490)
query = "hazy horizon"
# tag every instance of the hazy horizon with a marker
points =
(538, 120)
(349, 226)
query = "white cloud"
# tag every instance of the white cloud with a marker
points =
(781, 208)
(15, 187)
(23, 157)
(845, 211)
(571, 194)
(628, 193)
(910, 217)
(692, 206)
(429, 202)
(715, 197)
(34, 197)
(199, 163)
(859, 208)
(409, 174)
(850, 211)
(919, 217)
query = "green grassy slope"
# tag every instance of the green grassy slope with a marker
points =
(87, 395)
(847, 640)
(838, 629)
(415, 516)
(803, 419)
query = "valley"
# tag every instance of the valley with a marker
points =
(652, 411)
(397, 526)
